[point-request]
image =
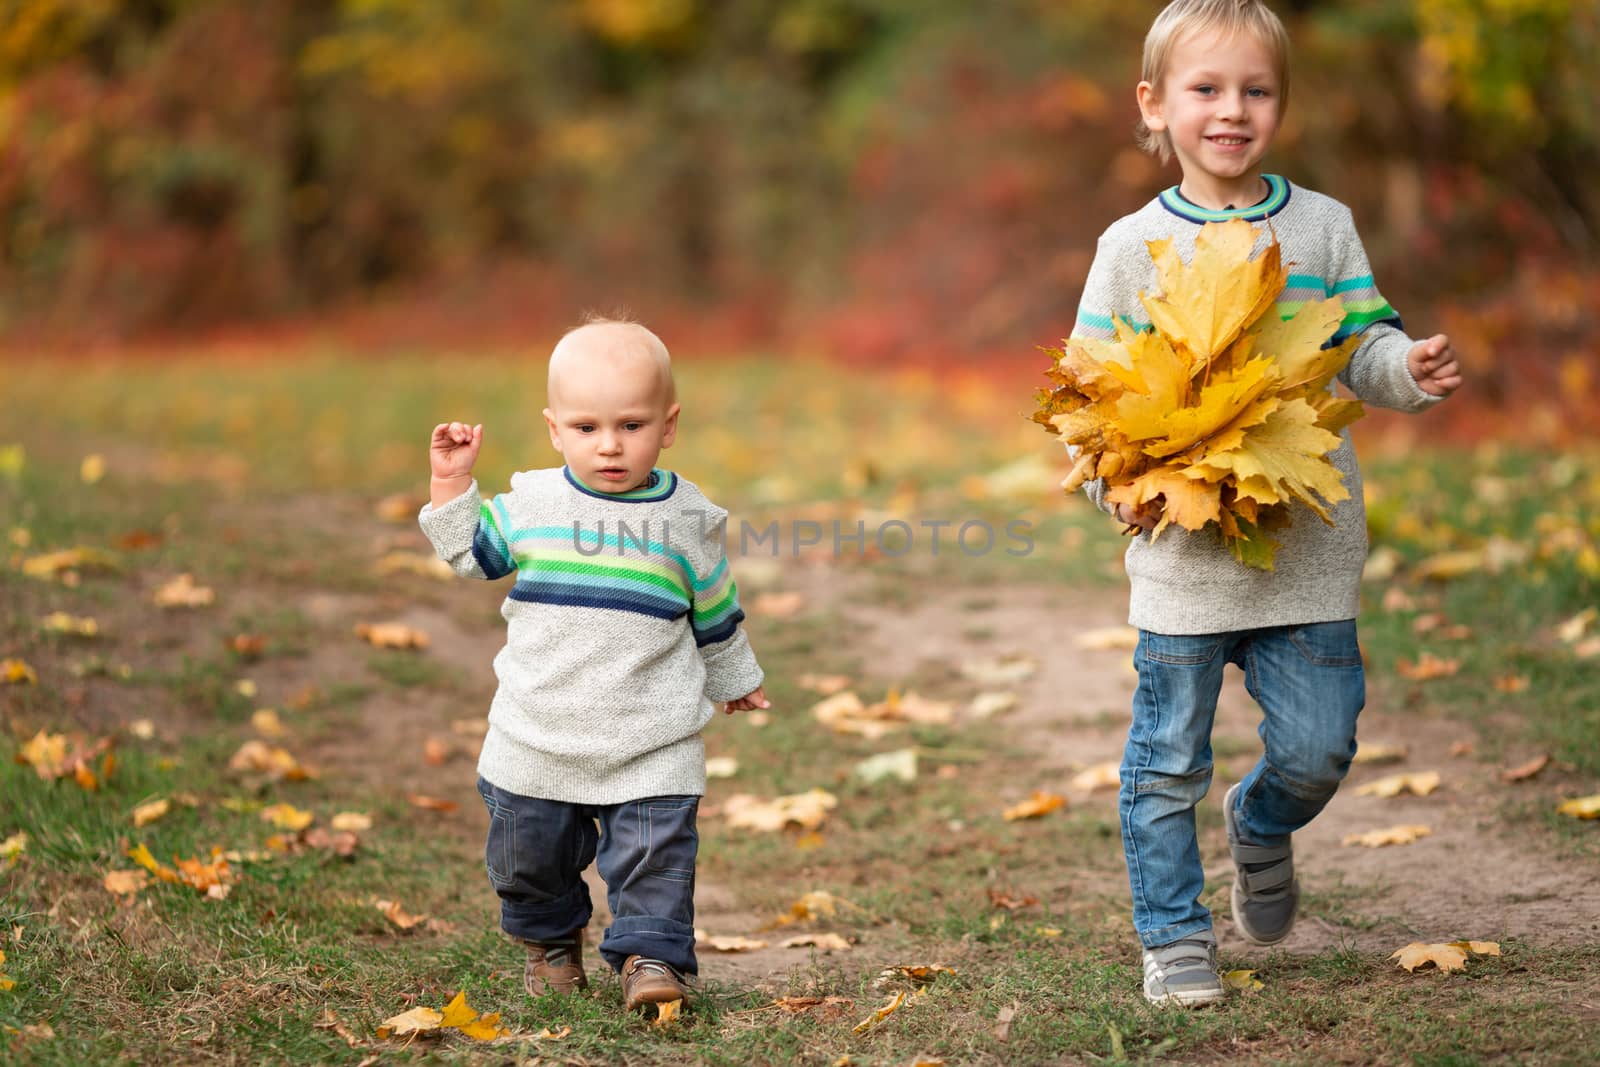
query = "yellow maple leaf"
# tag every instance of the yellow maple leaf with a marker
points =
(149, 812)
(13, 847)
(1243, 980)
(418, 1020)
(1581, 807)
(1452, 956)
(1207, 303)
(287, 817)
(807, 810)
(667, 1012)
(1393, 785)
(1394, 835)
(1284, 456)
(17, 672)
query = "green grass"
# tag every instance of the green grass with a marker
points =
(260, 479)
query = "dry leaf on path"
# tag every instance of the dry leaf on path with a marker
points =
(419, 1020)
(399, 507)
(17, 672)
(882, 1013)
(1379, 753)
(260, 757)
(1572, 630)
(1392, 786)
(181, 592)
(817, 904)
(778, 605)
(548, 1034)
(988, 704)
(1040, 803)
(435, 752)
(391, 635)
(125, 883)
(1524, 771)
(823, 941)
(265, 722)
(1109, 638)
(1244, 981)
(1394, 835)
(722, 767)
(427, 803)
(807, 810)
(1427, 667)
(59, 622)
(798, 1005)
(351, 821)
(398, 915)
(900, 764)
(1581, 807)
(1002, 1023)
(999, 671)
(1447, 957)
(1001, 898)
(423, 564)
(727, 942)
(825, 684)
(1107, 775)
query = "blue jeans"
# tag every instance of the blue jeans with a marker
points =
(537, 851)
(1310, 685)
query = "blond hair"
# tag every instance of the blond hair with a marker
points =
(617, 334)
(1185, 18)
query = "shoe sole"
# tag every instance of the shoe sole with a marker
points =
(1236, 897)
(1198, 998)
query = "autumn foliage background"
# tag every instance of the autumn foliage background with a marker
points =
(871, 179)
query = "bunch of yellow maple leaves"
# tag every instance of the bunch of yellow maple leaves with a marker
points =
(1222, 412)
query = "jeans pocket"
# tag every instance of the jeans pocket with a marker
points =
(1327, 644)
(1180, 650)
(671, 840)
(500, 849)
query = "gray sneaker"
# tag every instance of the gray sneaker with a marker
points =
(1265, 893)
(1183, 973)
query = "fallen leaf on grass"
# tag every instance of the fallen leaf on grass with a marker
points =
(1002, 1023)
(1041, 803)
(17, 672)
(423, 564)
(826, 684)
(1511, 683)
(391, 635)
(1392, 786)
(1245, 981)
(778, 605)
(800, 1005)
(1446, 566)
(330, 1021)
(181, 592)
(1108, 639)
(1002, 898)
(68, 563)
(427, 803)
(125, 883)
(1581, 807)
(817, 904)
(825, 942)
(92, 469)
(246, 646)
(13, 847)
(469, 727)
(1000, 671)
(399, 507)
(1447, 957)
(33, 1031)
(1588, 648)
(351, 821)
(149, 812)
(1572, 630)
(265, 722)
(900, 764)
(1107, 775)
(1427, 667)
(258, 756)
(59, 622)
(458, 1016)
(1394, 835)
(548, 1034)
(667, 1012)
(214, 879)
(341, 843)
(287, 817)
(435, 752)
(246, 688)
(54, 756)
(398, 915)
(1524, 771)
(722, 767)
(921, 973)
(807, 810)
(989, 704)
(419, 1020)
(882, 1013)
(727, 942)
(1379, 753)
(6, 981)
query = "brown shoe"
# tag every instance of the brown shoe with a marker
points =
(646, 981)
(555, 966)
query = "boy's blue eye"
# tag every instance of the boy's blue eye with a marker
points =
(633, 427)
(1259, 93)
(585, 427)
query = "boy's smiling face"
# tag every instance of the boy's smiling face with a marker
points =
(1219, 102)
(611, 408)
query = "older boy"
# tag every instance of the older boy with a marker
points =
(1215, 80)
(621, 630)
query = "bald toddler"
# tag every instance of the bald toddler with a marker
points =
(622, 633)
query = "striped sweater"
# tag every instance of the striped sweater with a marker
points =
(1186, 582)
(622, 629)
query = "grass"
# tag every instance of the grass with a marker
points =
(263, 494)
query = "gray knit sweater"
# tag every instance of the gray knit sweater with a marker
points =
(622, 628)
(1186, 582)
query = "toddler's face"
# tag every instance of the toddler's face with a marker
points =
(1219, 103)
(610, 419)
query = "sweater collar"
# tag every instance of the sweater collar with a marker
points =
(1278, 190)
(660, 485)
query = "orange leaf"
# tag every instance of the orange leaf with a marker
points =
(1040, 803)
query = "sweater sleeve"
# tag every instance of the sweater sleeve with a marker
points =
(1377, 372)
(468, 534)
(731, 667)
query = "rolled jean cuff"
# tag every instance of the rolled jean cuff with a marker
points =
(644, 935)
(1176, 932)
(547, 920)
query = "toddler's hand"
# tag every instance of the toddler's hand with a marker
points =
(748, 702)
(1143, 517)
(1433, 364)
(454, 449)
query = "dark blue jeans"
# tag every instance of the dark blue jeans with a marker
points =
(1310, 685)
(537, 851)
